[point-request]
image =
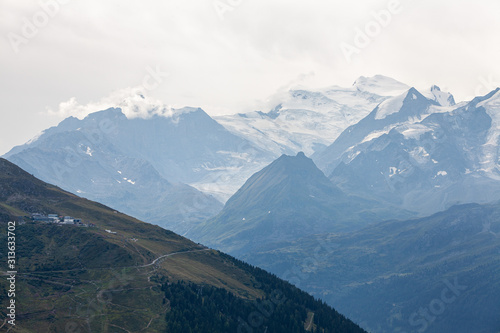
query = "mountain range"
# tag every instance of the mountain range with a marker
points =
(341, 223)
(310, 120)
(154, 165)
(141, 166)
(291, 220)
(421, 156)
(287, 200)
(434, 274)
(118, 274)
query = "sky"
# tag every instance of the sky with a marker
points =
(61, 58)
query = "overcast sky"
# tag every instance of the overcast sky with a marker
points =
(60, 58)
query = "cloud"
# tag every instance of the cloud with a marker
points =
(232, 65)
(134, 102)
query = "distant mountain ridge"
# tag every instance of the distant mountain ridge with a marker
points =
(127, 275)
(434, 274)
(411, 106)
(309, 120)
(338, 127)
(420, 156)
(138, 165)
(288, 199)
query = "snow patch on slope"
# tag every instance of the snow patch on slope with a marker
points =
(375, 135)
(420, 155)
(441, 97)
(490, 158)
(390, 106)
(413, 131)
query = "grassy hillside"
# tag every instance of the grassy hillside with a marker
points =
(136, 278)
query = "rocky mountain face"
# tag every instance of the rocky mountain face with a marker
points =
(288, 199)
(141, 166)
(418, 155)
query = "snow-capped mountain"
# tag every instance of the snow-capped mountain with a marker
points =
(380, 85)
(422, 156)
(441, 97)
(140, 164)
(186, 146)
(183, 145)
(407, 108)
(308, 121)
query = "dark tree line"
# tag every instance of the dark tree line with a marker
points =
(196, 308)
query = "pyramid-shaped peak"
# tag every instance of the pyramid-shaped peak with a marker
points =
(414, 95)
(395, 104)
(286, 170)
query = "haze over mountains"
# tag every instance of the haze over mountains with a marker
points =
(141, 165)
(419, 155)
(307, 121)
(124, 275)
(159, 151)
(287, 200)
(322, 189)
(434, 274)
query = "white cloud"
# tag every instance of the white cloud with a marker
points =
(233, 65)
(134, 103)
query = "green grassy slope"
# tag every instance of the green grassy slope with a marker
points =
(75, 279)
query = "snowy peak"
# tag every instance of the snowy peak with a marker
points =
(407, 108)
(309, 120)
(490, 99)
(420, 155)
(380, 85)
(441, 97)
(411, 102)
